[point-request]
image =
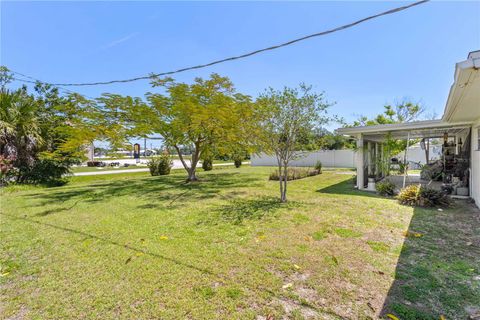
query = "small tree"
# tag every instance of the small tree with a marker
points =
(285, 116)
(205, 115)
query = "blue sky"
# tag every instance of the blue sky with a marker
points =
(408, 54)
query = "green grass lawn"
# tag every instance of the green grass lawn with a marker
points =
(131, 246)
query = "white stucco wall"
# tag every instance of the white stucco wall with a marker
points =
(329, 158)
(475, 164)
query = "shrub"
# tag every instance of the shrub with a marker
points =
(160, 166)
(153, 166)
(46, 171)
(417, 195)
(207, 164)
(295, 173)
(402, 167)
(6, 169)
(95, 164)
(385, 188)
(237, 162)
(430, 197)
(410, 195)
(318, 166)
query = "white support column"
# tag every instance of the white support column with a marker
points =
(377, 159)
(369, 158)
(405, 161)
(360, 162)
(382, 161)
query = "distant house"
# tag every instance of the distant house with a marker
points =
(459, 128)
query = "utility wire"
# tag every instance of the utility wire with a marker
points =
(153, 75)
(35, 81)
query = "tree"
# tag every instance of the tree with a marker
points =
(284, 117)
(20, 133)
(35, 132)
(113, 120)
(404, 111)
(206, 115)
(322, 139)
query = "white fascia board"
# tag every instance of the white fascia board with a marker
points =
(406, 126)
(461, 75)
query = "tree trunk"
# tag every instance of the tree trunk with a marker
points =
(192, 170)
(181, 158)
(193, 165)
(192, 175)
(280, 179)
(285, 180)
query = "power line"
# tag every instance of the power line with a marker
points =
(153, 75)
(35, 81)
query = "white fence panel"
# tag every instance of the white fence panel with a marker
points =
(417, 154)
(329, 158)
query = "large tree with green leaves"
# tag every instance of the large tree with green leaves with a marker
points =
(20, 132)
(403, 111)
(284, 117)
(37, 132)
(322, 139)
(205, 115)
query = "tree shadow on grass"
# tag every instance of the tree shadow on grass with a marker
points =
(170, 191)
(237, 210)
(56, 210)
(439, 262)
(347, 187)
(112, 242)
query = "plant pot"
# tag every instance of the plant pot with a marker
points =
(462, 191)
(371, 184)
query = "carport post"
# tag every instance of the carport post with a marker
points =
(360, 162)
(382, 161)
(405, 159)
(369, 158)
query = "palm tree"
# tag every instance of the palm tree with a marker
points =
(20, 135)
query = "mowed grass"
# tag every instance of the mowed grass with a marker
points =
(131, 246)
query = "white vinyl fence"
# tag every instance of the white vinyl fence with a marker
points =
(329, 158)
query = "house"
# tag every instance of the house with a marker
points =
(459, 129)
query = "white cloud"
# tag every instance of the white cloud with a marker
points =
(119, 41)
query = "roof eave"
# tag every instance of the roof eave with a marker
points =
(406, 126)
(469, 65)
